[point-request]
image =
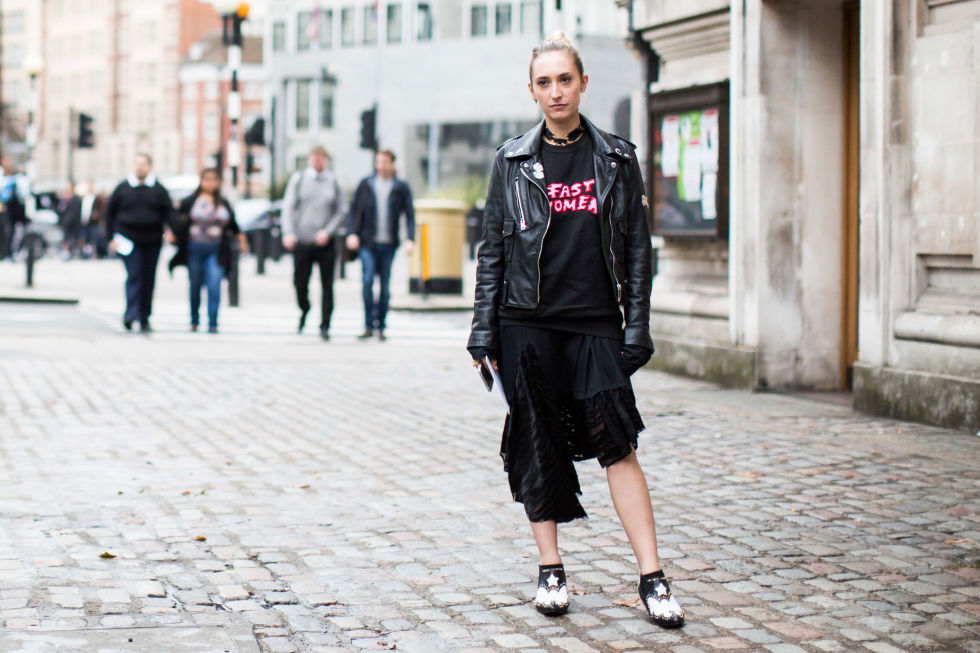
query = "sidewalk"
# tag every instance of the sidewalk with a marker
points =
(263, 491)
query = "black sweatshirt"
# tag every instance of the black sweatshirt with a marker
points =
(139, 213)
(576, 294)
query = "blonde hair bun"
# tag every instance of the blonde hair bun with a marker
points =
(558, 36)
(556, 42)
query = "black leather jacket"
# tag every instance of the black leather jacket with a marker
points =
(517, 216)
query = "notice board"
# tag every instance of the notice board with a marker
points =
(688, 158)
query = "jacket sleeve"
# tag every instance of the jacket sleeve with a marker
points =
(286, 225)
(490, 264)
(232, 222)
(111, 213)
(168, 213)
(409, 214)
(336, 217)
(639, 270)
(353, 216)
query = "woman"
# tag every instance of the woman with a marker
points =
(207, 225)
(562, 310)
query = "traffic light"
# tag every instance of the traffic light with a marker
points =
(255, 135)
(369, 135)
(86, 137)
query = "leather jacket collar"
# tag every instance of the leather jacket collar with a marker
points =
(529, 145)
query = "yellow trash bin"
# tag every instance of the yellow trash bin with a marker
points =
(440, 234)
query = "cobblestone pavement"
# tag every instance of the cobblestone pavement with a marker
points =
(263, 491)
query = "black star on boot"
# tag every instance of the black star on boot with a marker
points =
(658, 601)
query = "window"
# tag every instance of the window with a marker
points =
(423, 21)
(304, 21)
(347, 26)
(278, 36)
(394, 23)
(326, 28)
(190, 163)
(190, 91)
(190, 125)
(13, 23)
(211, 90)
(478, 20)
(326, 105)
(211, 125)
(530, 17)
(370, 26)
(503, 16)
(302, 104)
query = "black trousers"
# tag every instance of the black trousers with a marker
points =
(141, 274)
(304, 256)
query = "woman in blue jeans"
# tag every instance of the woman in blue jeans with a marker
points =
(204, 244)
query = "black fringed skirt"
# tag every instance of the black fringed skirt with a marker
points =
(569, 400)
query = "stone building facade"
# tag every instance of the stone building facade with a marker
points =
(832, 241)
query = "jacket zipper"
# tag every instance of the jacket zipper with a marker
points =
(612, 234)
(546, 227)
(520, 205)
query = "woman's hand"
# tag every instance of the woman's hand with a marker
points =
(242, 243)
(634, 357)
(478, 353)
(169, 237)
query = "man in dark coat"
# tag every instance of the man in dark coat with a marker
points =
(137, 214)
(380, 203)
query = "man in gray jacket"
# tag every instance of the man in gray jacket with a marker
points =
(311, 216)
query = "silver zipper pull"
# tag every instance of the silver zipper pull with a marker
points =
(523, 224)
(619, 292)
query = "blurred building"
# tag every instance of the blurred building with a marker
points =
(117, 62)
(812, 171)
(20, 32)
(449, 80)
(204, 120)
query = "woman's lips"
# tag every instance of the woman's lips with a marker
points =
(558, 106)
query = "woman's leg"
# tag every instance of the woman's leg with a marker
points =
(546, 537)
(195, 273)
(631, 497)
(213, 275)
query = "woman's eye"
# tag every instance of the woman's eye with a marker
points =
(542, 83)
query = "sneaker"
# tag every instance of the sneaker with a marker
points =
(660, 604)
(324, 333)
(552, 596)
(194, 327)
(381, 335)
(145, 327)
(367, 334)
(213, 329)
(128, 324)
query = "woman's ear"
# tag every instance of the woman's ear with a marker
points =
(585, 82)
(530, 89)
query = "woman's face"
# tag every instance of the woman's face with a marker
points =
(557, 86)
(210, 182)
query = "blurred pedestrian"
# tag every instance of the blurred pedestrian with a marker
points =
(93, 221)
(69, 211)
(311, 216)
(138, 213)
(205, 230)
(12, 209)
(562, 311)
(381, 203)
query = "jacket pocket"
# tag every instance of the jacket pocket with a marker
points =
(508, 234)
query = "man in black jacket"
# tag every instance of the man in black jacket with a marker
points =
(380, 202)
(137, 214)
